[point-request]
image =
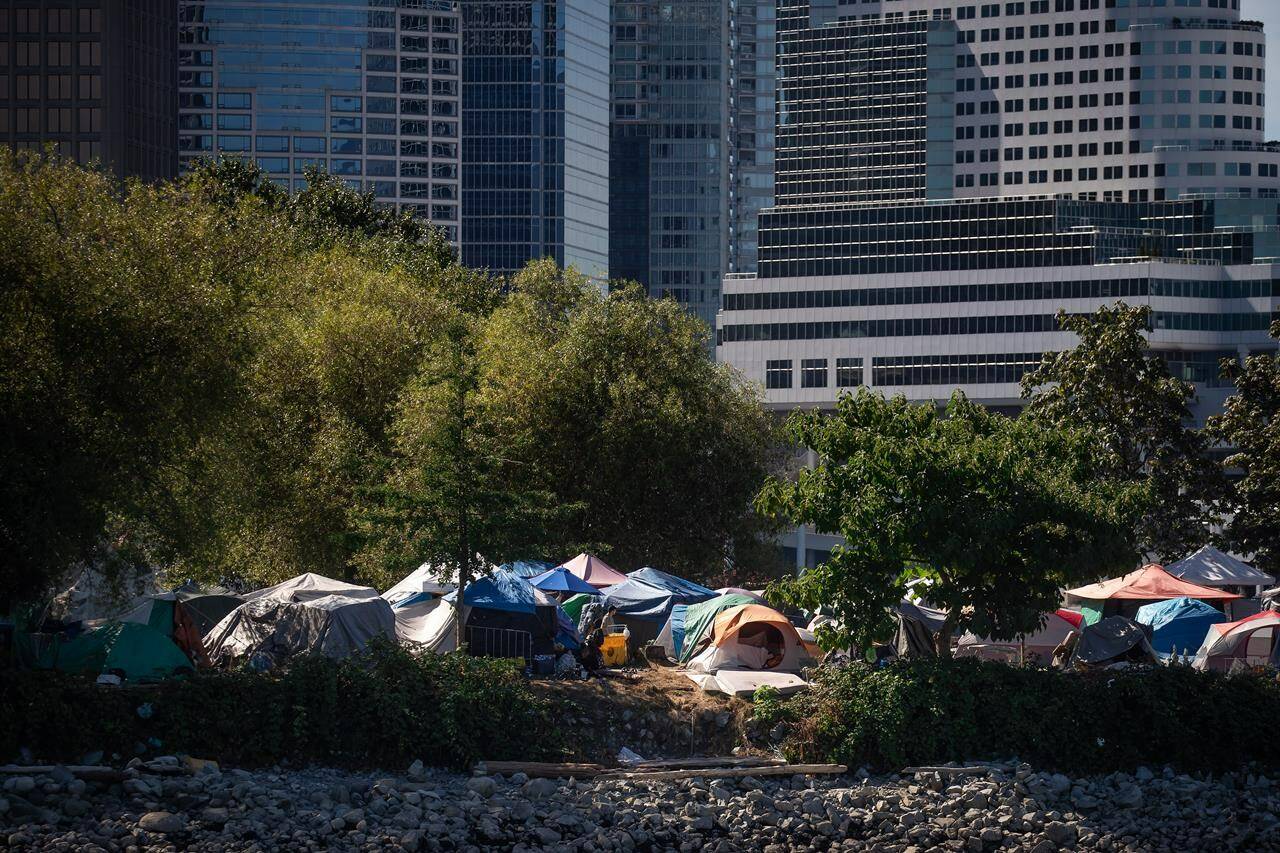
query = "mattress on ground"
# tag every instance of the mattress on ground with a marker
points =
(744, 682)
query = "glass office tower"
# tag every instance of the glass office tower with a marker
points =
(535, 134)
(692, 136)
(366, 89)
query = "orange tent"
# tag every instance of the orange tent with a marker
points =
(1251, 640)
(1149, 583)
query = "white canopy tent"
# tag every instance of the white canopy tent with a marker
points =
(1211, 567)
(426, 580)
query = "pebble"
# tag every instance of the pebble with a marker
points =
(1011, 808)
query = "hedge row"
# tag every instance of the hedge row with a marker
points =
(934, 711)
(382, 710)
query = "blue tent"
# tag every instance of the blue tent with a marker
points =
(684, 592)
(506, 592)
(1179, 624)
(562, 580)
(527, 568)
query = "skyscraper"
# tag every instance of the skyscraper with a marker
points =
(535, 128)
(368, 90)
(94, 78)
(951, 174)
(692, 130)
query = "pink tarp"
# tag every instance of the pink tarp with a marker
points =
(594, 571)
(1149, 583)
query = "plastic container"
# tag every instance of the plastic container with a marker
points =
(614, 649)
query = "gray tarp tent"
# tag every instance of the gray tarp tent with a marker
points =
(918, 625)
(1114, 640)
(306, 614)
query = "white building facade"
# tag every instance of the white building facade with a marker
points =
(951, 174)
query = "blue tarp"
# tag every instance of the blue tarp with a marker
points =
(685, 592)
(640, 600)
(1179, 624)
(500, 590)
(527, 568)
(677, 629)
(562, 580)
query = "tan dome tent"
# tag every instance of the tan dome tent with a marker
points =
(750, 646)
(1252, 641)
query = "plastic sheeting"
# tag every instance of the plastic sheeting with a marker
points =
(594, 571)
(639, 600)
(1178, 626)
(423, 581)
(685, 591)
(1211, 567)
(1149, 583)
(1112, 640)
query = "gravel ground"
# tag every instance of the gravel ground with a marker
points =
(1011, 808)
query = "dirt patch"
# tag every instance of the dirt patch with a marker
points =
(655, 711)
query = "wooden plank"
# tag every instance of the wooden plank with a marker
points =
(730, 773)
(91, 773)
(542, 770)
(690, 763)
(972, 770)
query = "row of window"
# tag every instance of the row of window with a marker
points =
(57, 21)
(1105, 288)
(814, 373)
(980, 325)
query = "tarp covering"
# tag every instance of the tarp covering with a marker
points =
(502, 600)
(1179, 625)
(562, 580)
(306, 614)
(502, 590)
(595, 571)
(685, 591)
(573, 607)
(1251, 640)
(413, 620)
(699, 618)
(751, 637)
(424, 580)
(671, 637)
(205, 608)
(735, 590)
(134, 651)
(527, 568)
(98, 594)
(918, 624)
(1038, 644)
(1211, 567)
(1112, 640)
(1149, 583)
(639, 600)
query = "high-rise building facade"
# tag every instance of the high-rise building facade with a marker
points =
(366, 89)
(94, 78)
(951, 174)
(692, 131)
(535, 134)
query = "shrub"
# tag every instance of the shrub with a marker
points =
(383, 709)
(933, 711)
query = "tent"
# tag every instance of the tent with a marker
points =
(306, 614)
(1179, 625)
(527, 568)
(1251, 640)
(689, 627)
(1113, 640)
(918, 625)
(684, 591)
(594, 571)
(737, 590)
(424, 582)
(562, 580)
(1122, 596)
(506, 616)
(99, 593)
(185, 614)
(573, 607)
(752, 645)
(131, 650)
(1038, 645)
(1211, 567)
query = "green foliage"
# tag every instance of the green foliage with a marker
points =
(1250, 423)
(657, 449)
(381, 710)
(1111, 385)
(933, 711)
(999, 513)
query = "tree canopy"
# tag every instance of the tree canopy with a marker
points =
(1112, 386)
(998, 514)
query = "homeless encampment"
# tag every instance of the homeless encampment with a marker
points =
(1123, 596)
(689, 625)
(747, 646)
(186, 614)
(594, 571)
(918, 626)
(645, 600)
(506, 616)
(1036, 647)
(1251, 640)
(424, 582)
(306, 614)
(1179, 625)
(1211, 567)
(129, 650)
(1114, 640)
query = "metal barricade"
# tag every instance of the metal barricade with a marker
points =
(499, 643)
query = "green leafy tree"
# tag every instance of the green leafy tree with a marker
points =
(660, 448)
(1250, 424)
(998, 513)
(1114, 387)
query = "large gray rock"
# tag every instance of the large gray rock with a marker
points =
(165, 823)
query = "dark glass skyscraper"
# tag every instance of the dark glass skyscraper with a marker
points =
(93, 77)
(535, 134)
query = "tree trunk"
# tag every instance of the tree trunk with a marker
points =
(942, 642)
(464, 578)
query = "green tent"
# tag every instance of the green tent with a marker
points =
(573, 607)
(698, 619)
(138, 652)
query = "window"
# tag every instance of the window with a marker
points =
(777, 374)
(813, 373)
(848, 372)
